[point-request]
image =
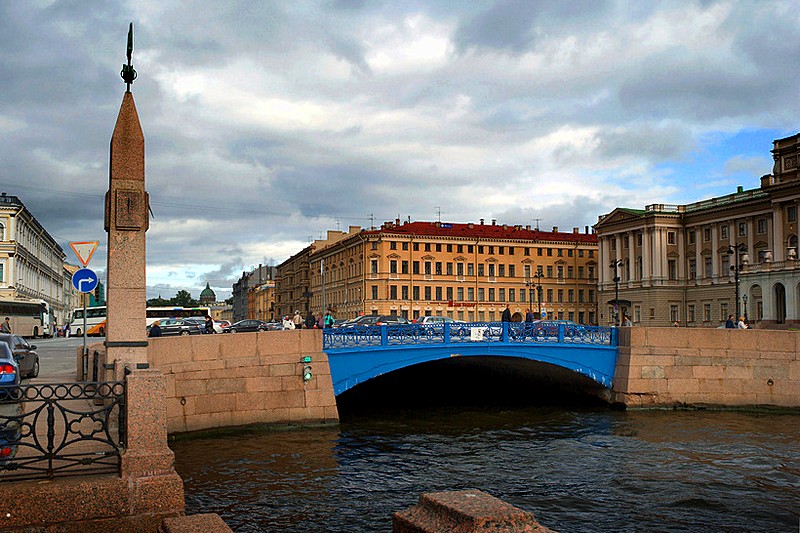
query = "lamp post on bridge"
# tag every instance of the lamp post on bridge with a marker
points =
(538, 275)
(739, 252)
(615, 265)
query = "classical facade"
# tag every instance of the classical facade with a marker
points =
(688, 263)
(254, 278)
(31, 261)
(464, 271)
(261, 301)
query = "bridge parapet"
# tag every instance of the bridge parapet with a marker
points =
(456, 333)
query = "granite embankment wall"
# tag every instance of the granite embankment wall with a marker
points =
(244, 378)
(697, 366)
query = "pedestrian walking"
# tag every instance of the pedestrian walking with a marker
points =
(297, 319)
(209, 325)
(328, 321)
(506, 314)
(730, 324)
(5, 327)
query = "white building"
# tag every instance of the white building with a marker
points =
(31, 261)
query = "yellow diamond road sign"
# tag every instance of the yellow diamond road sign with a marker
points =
(84, 250)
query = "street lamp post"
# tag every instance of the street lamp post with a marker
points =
(744, 301)
(739, 252)
(538, 275)
(615, 265)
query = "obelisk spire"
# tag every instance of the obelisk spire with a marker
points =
(126, 223)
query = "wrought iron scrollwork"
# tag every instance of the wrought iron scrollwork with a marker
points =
(61, 429)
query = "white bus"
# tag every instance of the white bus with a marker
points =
(96, 317)
(28, 318)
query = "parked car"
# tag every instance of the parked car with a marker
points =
(375, 320)
(219, 326)
(199, 320)
(248, 324)
(549, 328)
(23, 353)
(178, 326)
(9, 369)
(437, 320)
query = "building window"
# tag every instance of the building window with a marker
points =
(560, 270)
(404, 267)
(438, 247)
(374, 292)
(481, 270)
(723, 310)
(571, 296)
(393, 266)
(522, 294)
(481, 294)
(673, 313)
(613, 244)
(560, 252)
(510, 250)
(708, 267)
(591, 273)
(690, 313)
(416, 247)
(460, 294)
(470, 294)
(491, 294)
(706, 234)
(707, 312)
(672, 268)
(415, 292)
(438, 294)
(374, 245)
(405, 292)
(428, 293)
(405, 246)
(460, 248)
(460, 269)
(723, 231)
(501, 295)
(511, 271)
(726, 264)
(501, 271)
(491, 250)
(449, 269)
(691, 237)
(570, 272)
(527, 251)
(512, 296)
(762, 225)
(392, 245)
(373, 266)
(670, 237)
(416, 267)
(549, 295)
(560, 295)
(742, 229)
(491, 270)
(570, 252)
(427, 247)
(438, 268)
(549, 271)
(449, 293)
(428, 268)
(501, 250)
(480, 248)
(449, 248)
(625, 243)
(539, 252)
(791, 213)
(637, 313)
(549, 252)
(692, 269)
(393, 292)
(470, 269)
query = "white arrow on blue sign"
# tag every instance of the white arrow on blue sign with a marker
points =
(84, 280)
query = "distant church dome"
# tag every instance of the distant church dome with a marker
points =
(208, 296)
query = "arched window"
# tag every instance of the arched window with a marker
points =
(2, 232)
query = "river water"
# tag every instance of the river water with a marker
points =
(576, 469)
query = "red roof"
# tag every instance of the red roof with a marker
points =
(481, 231)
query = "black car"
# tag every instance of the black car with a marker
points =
(179, 326)
(246, 325)
(375, 320)
(24, 354)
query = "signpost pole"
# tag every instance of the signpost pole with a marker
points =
(85, 349)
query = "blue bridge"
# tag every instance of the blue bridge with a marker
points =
(357, 354)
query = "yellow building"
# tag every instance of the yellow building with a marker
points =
(261, 302)
(464, 271)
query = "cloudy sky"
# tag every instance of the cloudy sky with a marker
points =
(268, 123)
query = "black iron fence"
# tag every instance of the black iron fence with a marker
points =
(61, 429)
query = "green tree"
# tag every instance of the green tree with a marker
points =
(184, 299)
(157, 302)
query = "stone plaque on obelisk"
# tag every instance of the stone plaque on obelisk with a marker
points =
(126, 222)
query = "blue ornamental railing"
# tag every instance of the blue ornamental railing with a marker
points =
(473, 332)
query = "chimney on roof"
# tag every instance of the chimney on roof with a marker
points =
(481, 222)
(494, 222)
(528, 227)
(586, 230)
(397, 221)
(470, 225)
(576, 230)
(505, 226)
(555, 229)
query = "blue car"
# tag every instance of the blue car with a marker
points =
(9, 368)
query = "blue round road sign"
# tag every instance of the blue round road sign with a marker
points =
(84, 280)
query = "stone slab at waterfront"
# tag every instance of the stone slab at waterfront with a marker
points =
(464, 511)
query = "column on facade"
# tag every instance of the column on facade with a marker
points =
(779, 243)
(681, 238)
(716, 265)
(647, 273)
(658, 254)
(631, 256)
(601, 258)
(750, 250)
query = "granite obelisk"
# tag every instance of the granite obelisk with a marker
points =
(126, 222)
